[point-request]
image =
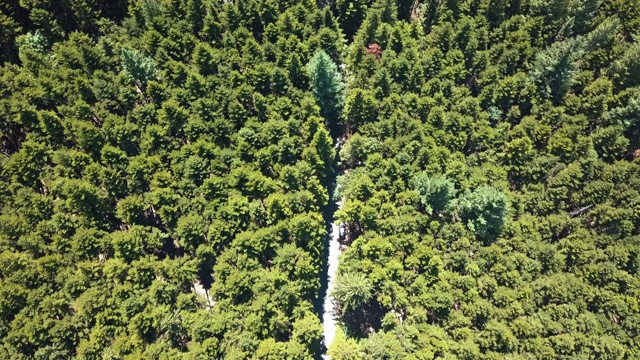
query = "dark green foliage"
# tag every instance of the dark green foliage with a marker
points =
(164, 169)
(161, 176)
(350, 14)
(626, 70)
(359, 109)
(491, 190)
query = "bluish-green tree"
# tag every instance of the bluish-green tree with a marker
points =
(435, 191)
(484, 211)
(326, 85)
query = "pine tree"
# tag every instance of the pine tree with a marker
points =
(195, 14)
(351, 14)
(150, 10)
(137, 66)
(320, 153)
(359, 109)
(326, 85)
(435, 191)
(204, 59)
(554, 68)
(296, 71)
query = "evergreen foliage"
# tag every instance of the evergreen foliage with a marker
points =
(435, 192)
(137, 67)
(165, 168)
(484, 210)
(326, 85)
(352, 290)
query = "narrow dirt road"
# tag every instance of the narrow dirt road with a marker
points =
(328, 320)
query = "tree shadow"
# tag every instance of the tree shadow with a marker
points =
(359, 323)
(328, 212)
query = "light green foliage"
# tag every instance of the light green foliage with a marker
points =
(343, 348)
(352, 290)
(137, 66)
(150, 147)
(308, 331)
(435, 192)
(137, 166)
(35, 42)
(383, 346)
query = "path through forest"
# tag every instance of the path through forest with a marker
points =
(331, 254)
(328, 320)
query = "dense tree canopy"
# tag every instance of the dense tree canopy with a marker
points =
(156, 148)
(491, 196)
(165, 166)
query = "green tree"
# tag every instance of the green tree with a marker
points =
(484, 210)
(191, 231)
(625, 71)
(343, 348)
(308, 331)
(352, 290)
(134, 243)
(435, 192)
(555, 67)
(26, 165)
(137, 67)
(357, 149)
(323, 145)
(359, 109)
(351, 14)
(326, 85)
(196, 12)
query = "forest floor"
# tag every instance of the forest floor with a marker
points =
(204, 293)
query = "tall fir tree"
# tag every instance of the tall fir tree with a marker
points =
(327, 86)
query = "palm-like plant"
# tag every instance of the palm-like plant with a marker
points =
(352, 290)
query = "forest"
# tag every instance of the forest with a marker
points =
(486, 155)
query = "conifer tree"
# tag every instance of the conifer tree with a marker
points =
(326, 85)
(137, 66)
(435, 191)
(554, 68)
